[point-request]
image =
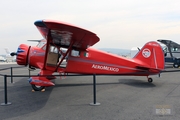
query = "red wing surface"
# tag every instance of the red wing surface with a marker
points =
(63, 34)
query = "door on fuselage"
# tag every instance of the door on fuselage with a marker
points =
(53, 56)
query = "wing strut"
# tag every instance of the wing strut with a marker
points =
(47, 48)
(169, 48)
(70, 47)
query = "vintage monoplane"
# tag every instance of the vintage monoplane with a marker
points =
(68, 43)
(171, 52)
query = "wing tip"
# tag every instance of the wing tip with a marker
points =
(39, 23)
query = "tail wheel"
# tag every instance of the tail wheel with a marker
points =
(150, 80)
(37, 88)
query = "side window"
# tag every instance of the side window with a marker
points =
(165, 51)
(44, 47)
(53, 49)
(75, 53)
(175, 49)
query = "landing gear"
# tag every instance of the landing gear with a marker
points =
(150, 80)
(37, 88)
(175, 65)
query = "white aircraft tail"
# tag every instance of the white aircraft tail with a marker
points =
(9, 58)
(7, 51)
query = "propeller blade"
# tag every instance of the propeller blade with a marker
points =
(13, 53)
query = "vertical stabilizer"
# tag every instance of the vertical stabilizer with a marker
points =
(151, 55)
(7, 51)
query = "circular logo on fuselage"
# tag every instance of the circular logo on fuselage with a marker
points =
(146, 53)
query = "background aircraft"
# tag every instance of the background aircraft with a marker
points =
(2, 59)
(48, 55)
(120, 52)
(171, 52)
(8, 57)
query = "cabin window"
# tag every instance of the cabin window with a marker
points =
(174, 49)
(44, 47)
(75, 53)
(165, 51)
(53, 49)
(41, 44)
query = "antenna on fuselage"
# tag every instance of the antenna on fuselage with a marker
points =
(138, 48)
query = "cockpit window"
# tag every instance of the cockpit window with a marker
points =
(41, 44)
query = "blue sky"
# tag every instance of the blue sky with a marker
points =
(118, 23)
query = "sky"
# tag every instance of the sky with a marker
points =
(120, 24)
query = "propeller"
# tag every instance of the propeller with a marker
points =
(13, 53)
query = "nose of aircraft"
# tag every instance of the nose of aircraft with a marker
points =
(22, 54)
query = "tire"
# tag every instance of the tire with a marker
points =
(37, 88)
(150, 80)
(175, 65)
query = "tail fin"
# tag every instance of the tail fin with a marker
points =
(7, 51)
(151, 55)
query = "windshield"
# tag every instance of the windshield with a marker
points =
(41, 44)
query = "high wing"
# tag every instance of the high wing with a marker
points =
(170, 43)
(60, 34)
(63, 34)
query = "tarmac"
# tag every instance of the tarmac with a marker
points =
(120, 97)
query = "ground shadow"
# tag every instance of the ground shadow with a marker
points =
(23, 100)
(131, 82)
(136, 83)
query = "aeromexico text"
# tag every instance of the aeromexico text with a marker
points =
(103, 67)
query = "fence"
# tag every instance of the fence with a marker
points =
(11, 76)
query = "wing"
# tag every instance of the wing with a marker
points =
(63, 34)
(169, 43)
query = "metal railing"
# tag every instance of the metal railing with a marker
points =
(11, 76)
(5, 83)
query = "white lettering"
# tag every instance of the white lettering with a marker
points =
(153, 44)
(101, 67)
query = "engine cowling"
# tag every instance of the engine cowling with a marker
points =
(23, 54)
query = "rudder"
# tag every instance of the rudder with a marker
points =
(151, 55)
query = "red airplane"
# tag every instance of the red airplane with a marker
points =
(49, 55)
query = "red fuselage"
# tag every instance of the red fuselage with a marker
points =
(95, 61)
(91, 61)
